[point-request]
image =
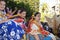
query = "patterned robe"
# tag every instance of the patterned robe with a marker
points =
(10, 30)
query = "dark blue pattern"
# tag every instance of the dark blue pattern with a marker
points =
(10, 31)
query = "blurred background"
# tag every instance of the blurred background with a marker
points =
(45, 7)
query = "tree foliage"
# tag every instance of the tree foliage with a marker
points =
(30, 6)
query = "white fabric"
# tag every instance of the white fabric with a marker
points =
(34, 30)
(34, 27)
(2, 15)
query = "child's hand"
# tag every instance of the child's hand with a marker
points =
(10, 11)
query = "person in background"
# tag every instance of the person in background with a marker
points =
(2, 10)
(3, 17)
(35, 28)
(46, 27)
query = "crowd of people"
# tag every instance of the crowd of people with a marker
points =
(13, 27)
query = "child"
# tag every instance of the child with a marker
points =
(2, 10)
(36, 28)
(21, 18)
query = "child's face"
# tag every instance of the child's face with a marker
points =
(37, 17)
(2, 5)
(23, 14)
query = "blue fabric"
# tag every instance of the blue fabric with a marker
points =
(47, 38)
(10, 31)
(31, 37)
(40, 36)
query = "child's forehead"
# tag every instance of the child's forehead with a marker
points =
(2, 2)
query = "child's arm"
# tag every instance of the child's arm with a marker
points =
(12, 16)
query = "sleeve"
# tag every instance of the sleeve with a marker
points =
(44, 32)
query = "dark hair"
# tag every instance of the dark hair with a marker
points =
(32, 17)
(36, 13)
(2, 0)
(22, 10)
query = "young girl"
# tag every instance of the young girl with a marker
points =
(2, 10)
(36, 27)
(20, 17)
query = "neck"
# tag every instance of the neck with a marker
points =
(36, 21)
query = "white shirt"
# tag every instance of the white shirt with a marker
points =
(34, 29)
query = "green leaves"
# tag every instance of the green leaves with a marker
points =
(31, 6)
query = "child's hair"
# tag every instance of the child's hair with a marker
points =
(22, 10)
(2, 0)
(36, 13)
(32, 17)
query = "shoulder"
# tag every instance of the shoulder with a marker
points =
(19, 20)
